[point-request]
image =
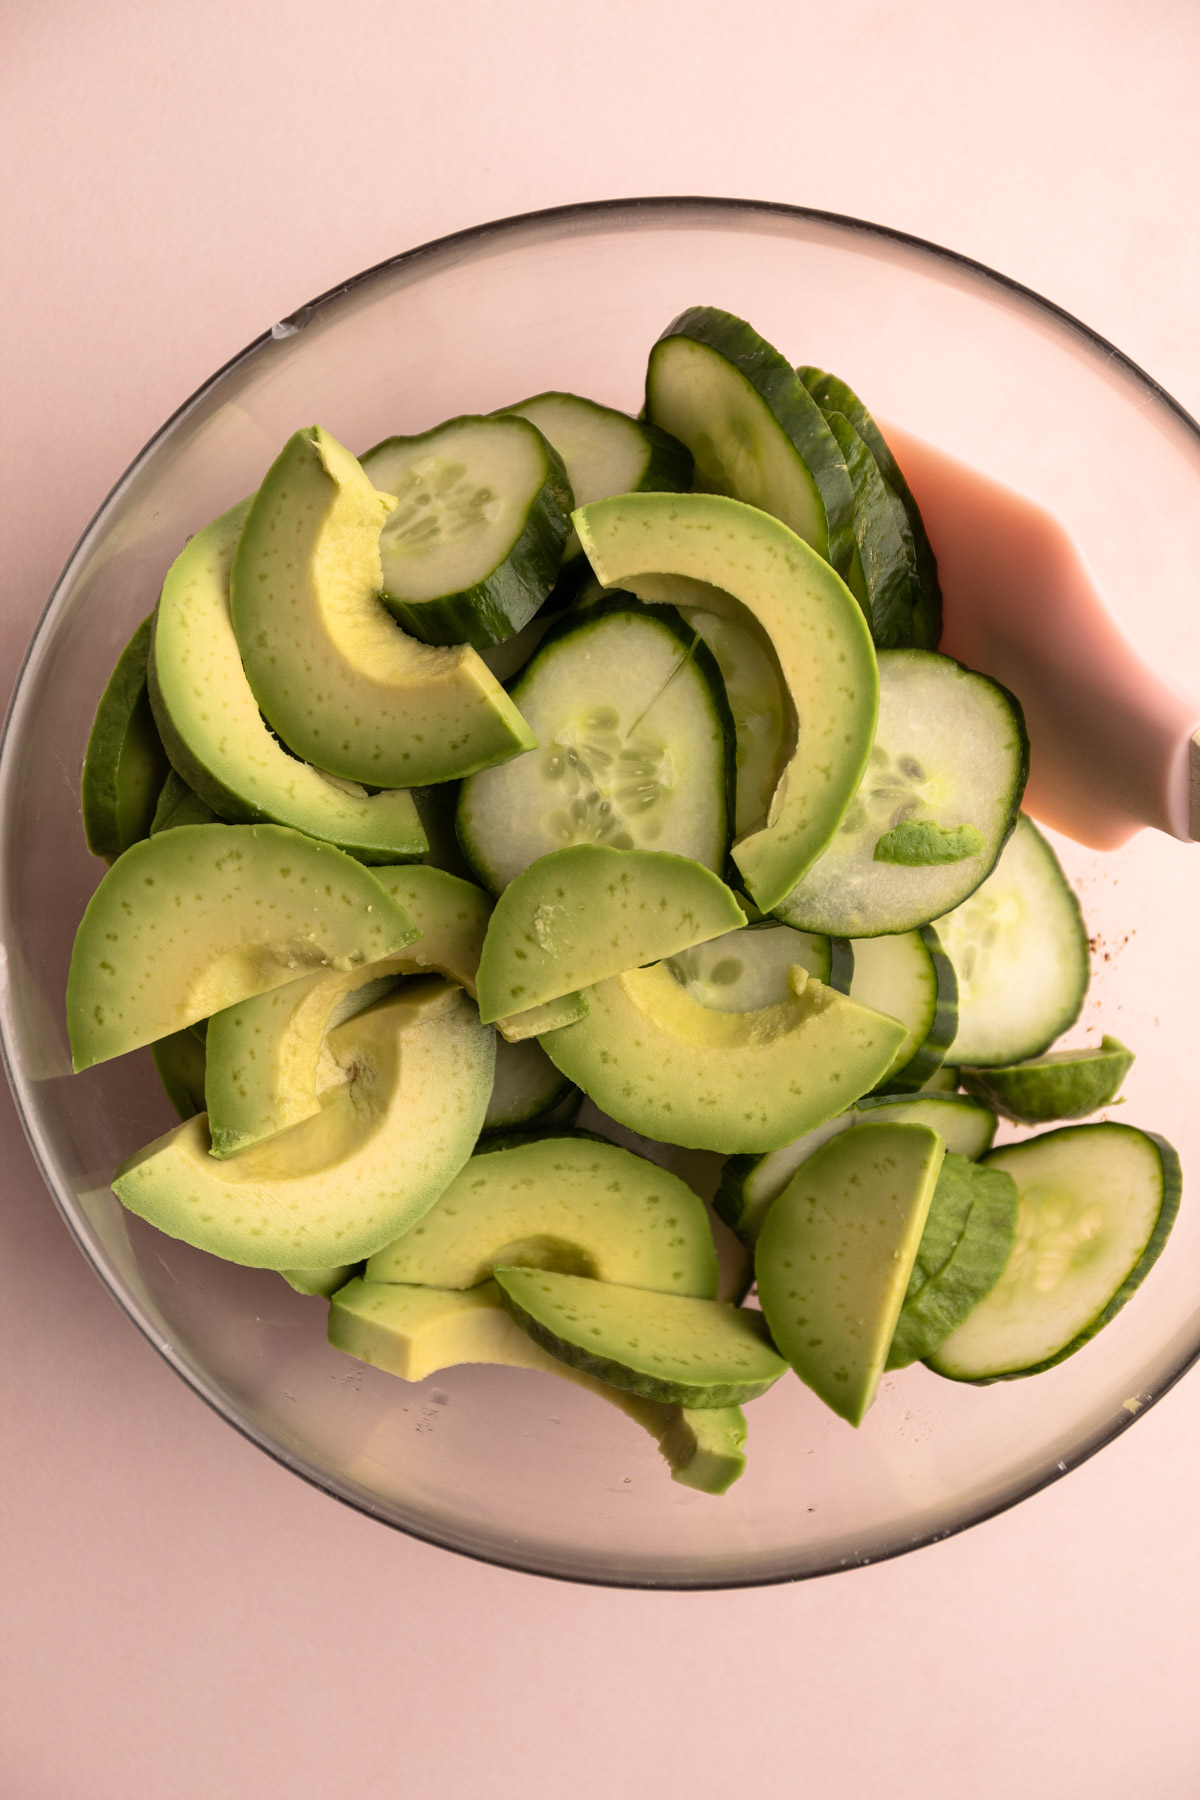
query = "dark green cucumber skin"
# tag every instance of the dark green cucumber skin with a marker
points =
(179, 804)
(113, 816)
(929, 1056)
(888, 603)
(1012, 1090)
(832, 394)
(986, 1232)
(1172, 1180)
(647, 1387)
(497, 607)
(777, 383)
(699, 654)
(841, 964)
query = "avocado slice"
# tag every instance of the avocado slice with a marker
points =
(334, 674)
(125, 764)
(178, 804)
(666, 1347)
(265, 1053)
(566, 1010)
(216, 735)
(414, 1332)
(706, 550)
(179, 1059)
(197, 919)
(835, 1255)
(324, 1282)
(579, 915)
(650, 1055)
(564, 1203)
(1066, 1084)
(416, 1072)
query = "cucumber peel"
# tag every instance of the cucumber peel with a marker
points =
(1066, 1084)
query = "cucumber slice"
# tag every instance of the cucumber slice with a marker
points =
(1096, 1206)
(1067, 1084)
(967, 1241)
(755, 431)
(911, 979)
(178, 804)
(526, 1085)
(744, 970)
(125, 764)
(749, 1184)
(476, 539)
(667, 1347)
(1020, 950)
(950, 749)
(834, 1257)
(834, 395)
(881, 578)
(606, 452)
(636, 748)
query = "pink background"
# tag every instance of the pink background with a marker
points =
(178, 1617)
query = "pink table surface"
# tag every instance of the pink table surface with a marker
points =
(178, 1617)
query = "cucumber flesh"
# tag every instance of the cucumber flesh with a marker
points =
(636, 748)
(744, 970)
(1096, 1206)
(909, 978)
(1020, 950)
(475, 542)
(967, 1241)
(1066, 1084)
(950, 748)
(881, 577)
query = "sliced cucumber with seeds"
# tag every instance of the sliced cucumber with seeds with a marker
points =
(834, 395)
(1020, 950)
(636, 748)
(748, 969)
(754, 429)
(1067, 1084)
(474, 544)
(950, 750)
(910, 978)
(967, 1241)
(606, 452)
(881, 577)
(1096, 1206)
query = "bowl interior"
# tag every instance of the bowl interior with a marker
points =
(515, 1466)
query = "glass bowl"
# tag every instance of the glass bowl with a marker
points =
(516, 1467)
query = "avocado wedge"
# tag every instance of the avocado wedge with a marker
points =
(125, 764)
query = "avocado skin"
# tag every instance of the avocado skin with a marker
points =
(125, 764)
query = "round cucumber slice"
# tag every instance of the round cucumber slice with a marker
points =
(1096, 1206)
(967, 1241)
(635, 749)
(125, 764)
(476, 539)
(911, 979)
(881, 576)
(1020, 950)
(1067, 1084)
(950, 752)
(746, 969)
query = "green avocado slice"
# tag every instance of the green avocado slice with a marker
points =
(1066, 1084)
(565, 1203)
(179, 1060)
(705, 550)
(835, 1254)
(416, 1072)
(579, 915)
(199, 918)
(216, 735)
(667, 1347)
(125, 764)
(334, 674)
(651, 1056)
(414, 1332)
(967, 1241)
(179, 804)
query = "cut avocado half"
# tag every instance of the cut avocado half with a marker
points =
(197, 919)
(705, 549)
(835, 1255)
(653, 1058)
(667, 1347)
(565, 1203)
(334, 674)
(125, 764)
(216, 735)
(416, 1072)
(579, 915)
(414, 1332)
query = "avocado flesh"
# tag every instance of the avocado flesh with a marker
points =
(1066, 1084)
(196, 919)
(566, 1010)
(733, 559)
(836, 1252)
(216, 735)
(580, 915)
(125, 764)
(321, 1283)
(666, 1347)
(336, 677)
(562, 1203)
(265, 1053)
(650, 1055)
(414, 1332)
(416, 1074)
